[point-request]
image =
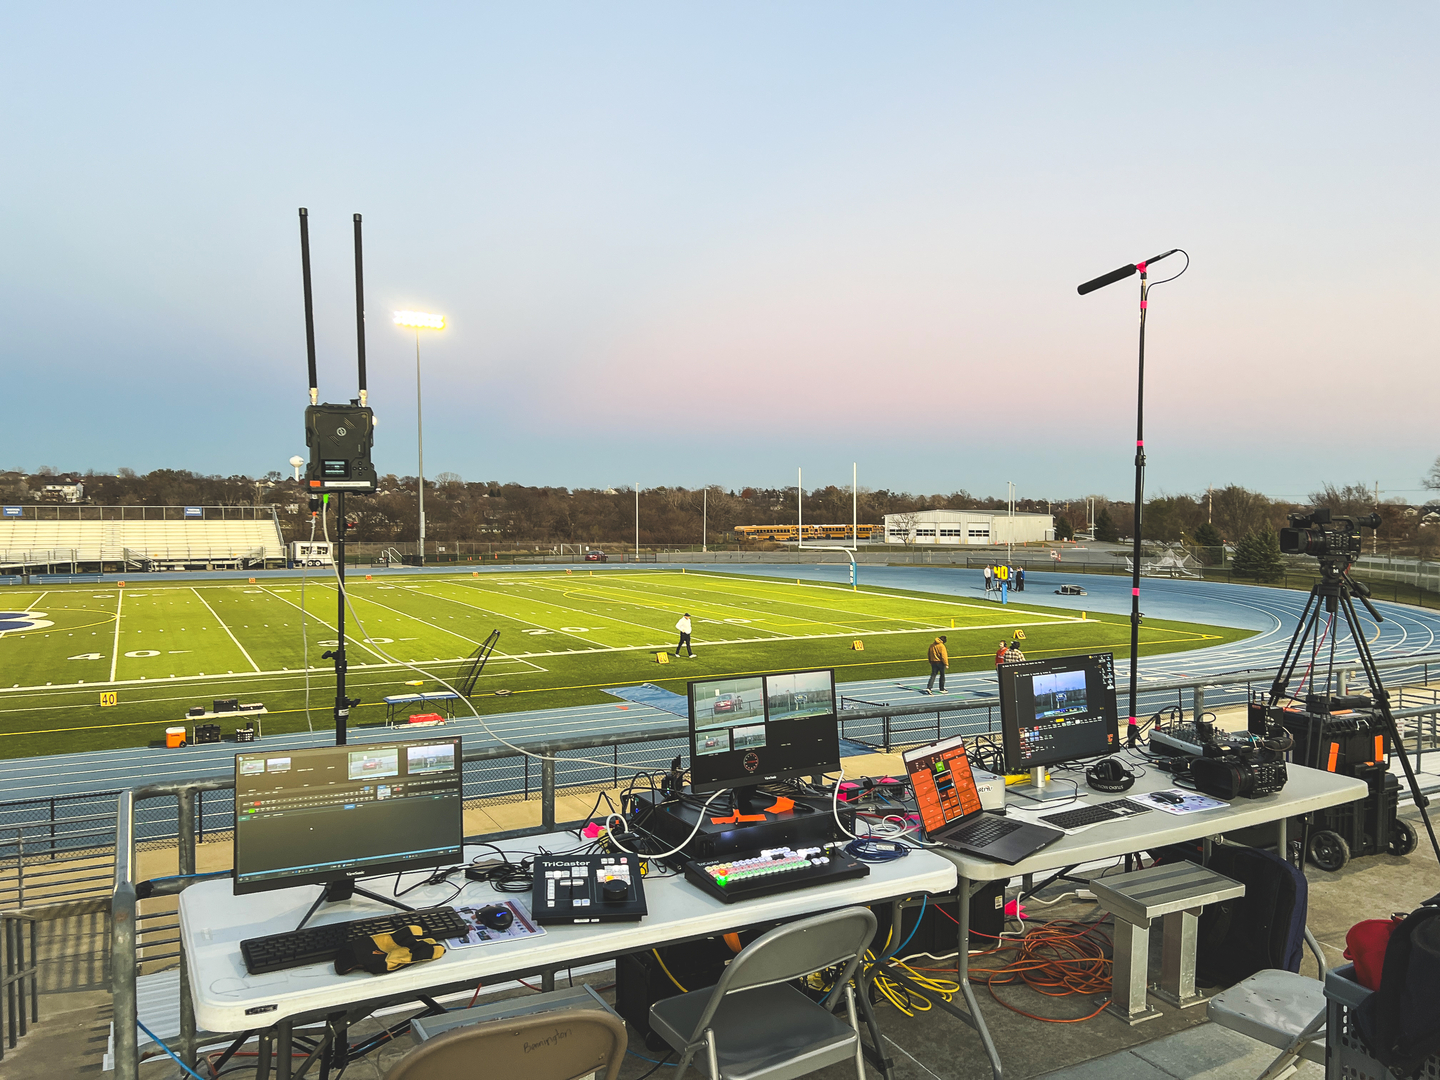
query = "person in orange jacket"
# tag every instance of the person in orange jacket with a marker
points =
(939, 661)
(1000, 654)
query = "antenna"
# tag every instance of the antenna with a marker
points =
(309, 304)
(360, 310)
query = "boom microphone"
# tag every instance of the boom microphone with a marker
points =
(1106, 279)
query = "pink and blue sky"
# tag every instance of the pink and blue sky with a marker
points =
(691, 244)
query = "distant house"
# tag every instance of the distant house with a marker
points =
(70, 491)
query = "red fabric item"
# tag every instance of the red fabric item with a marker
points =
(1365, 945)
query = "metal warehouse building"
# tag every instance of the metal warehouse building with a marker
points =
(978, 527)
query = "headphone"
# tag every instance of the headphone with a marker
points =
(1110, 776)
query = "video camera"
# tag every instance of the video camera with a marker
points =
(1240, 766)
(1325, 535)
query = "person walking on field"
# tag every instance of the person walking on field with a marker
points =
(1000, 653)
(1013, 655)
(1019, 579)
(939, 661)
(989, 580)
(684, 627)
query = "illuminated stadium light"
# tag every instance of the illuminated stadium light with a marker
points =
(420, 320)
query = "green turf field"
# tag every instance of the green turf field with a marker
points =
(563, 636)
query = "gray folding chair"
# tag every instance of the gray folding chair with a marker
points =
(751, 1026)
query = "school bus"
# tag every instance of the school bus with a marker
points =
(783, 534)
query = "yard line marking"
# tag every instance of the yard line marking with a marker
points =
(115, 648)
(308, 615)
(233, 638)
(352, 595)
(589, 614)
(36, 604)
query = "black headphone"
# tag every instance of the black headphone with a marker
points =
(1110, 775)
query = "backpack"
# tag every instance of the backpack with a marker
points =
(1400, 1022)
(1265, 928)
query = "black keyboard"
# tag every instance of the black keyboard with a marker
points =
(746, 875)
(1091, 815)
(984, 830)
(317, 944)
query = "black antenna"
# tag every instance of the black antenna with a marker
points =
(309, 304)
(360, 309)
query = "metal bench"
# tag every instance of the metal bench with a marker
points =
(1176, 891)
(446, 698)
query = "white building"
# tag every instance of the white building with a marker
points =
(977, 527)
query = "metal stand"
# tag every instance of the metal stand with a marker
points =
(1335, 592)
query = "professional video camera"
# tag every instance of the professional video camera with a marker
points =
(1241, 766)
(1325, 535)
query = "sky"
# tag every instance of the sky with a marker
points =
(688, 244)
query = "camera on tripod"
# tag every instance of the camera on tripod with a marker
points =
(1325, 535)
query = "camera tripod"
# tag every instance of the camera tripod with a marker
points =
(1334, 593)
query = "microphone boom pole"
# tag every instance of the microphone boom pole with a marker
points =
(1133, 730)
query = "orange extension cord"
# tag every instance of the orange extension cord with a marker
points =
(1056, 959)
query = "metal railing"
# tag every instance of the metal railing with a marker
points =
(19, 943)
(159, 941)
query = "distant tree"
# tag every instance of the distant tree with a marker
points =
(1351, 500)
(1432, 478)
(1239, 512)
(1063, 529)
(1212, 547)
(1105, 527)
(1258, 555)
(906, 524)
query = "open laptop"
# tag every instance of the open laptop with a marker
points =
(950, 812)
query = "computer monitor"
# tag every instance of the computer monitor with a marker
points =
(1054, 711)
(330, 815)
(756, 729)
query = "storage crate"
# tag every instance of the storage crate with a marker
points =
(1346, 1055)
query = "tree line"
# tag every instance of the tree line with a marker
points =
(457, 510)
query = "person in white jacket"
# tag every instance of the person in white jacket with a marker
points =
(684, 627)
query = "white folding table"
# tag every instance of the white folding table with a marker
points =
(213, 922)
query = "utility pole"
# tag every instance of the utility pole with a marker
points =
(1375, 534)
(854, 506)
(637, 521)
(799, 508)
(1210, 513)
(704, 519)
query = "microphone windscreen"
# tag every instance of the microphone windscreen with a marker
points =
(1106, 279)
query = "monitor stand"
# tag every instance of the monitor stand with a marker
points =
(1039, 789)
(337, 892)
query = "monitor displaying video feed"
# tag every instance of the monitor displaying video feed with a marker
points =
(748, 730)
(338, 813)
(1058, 710)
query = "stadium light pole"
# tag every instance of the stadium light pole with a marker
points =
(417, 321)
(637, 521)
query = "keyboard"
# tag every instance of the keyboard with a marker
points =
(1093, 815)
(984, 830)
(747, 875)
(320, 943)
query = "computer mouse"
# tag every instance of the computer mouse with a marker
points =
(496, 917)
(614, 890)
(1169, 797)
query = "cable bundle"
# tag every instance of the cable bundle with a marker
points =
(1056, 959)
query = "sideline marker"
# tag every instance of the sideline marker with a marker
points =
(857, 645)
(662, 657)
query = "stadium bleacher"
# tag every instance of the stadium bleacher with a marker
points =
(140, 544)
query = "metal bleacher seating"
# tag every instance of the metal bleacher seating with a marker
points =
(139, 544)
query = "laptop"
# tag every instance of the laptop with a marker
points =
(950, 812)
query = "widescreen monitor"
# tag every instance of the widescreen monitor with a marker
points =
(332, 814)
(755, 729)
(1055, 711)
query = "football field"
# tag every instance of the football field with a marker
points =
(564, 636)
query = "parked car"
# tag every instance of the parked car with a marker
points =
(727, 703)
(596, 556)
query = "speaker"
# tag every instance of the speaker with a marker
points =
(1110, 776)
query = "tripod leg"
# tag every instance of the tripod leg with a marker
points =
(1296, 648)
(1382, 699)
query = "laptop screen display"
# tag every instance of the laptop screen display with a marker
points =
(943, 783)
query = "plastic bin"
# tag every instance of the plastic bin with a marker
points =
(1346, 1055)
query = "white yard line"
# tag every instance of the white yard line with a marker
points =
(36, 604)
(248, 658)
(115, 649)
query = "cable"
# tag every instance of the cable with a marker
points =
(699, 820)
(474, 714)
(304, 630)
(158, 1042)
(668, 974)
(1172, 277)
(877, 851)
(662, 1061)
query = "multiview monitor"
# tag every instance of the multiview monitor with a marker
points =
(332, 814)
(756, 729)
